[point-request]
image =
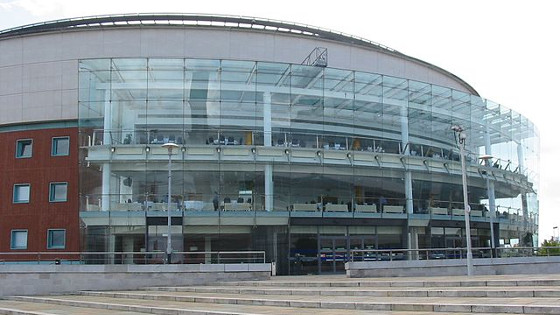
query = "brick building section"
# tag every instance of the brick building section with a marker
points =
(39, 215)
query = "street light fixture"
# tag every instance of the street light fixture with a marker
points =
(462, 139)
(487, 161)
(169, 146)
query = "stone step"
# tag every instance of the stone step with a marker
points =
(399, 283)
(428, 304)
(103, 305)
(379, 292)
(327, 295)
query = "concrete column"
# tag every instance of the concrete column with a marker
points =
(107, 119)
(413, 242)
(408, 191)
(524, 208)
(491, 192)
(520, 158)
(207, 249)
(110, 246)
(267, 119)
(106, 187)
(128, 246)
(275, 246)
(490, 184)
(106, 175)
(268, 188)
(407, 173)
(267, 129)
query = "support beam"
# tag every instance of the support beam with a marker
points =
(267, 126)
(207, 249)
(267, 119)
(407, 173)
(490, 191)
(106, 187)
(106, 171)
(524, 206)
(268, 188)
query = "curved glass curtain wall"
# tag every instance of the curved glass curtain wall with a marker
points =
(200, 102)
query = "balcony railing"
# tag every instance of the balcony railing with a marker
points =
(348, 143)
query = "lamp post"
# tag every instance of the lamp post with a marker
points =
(169, 146)
(462, 139)
(491, 202)
(554, 229)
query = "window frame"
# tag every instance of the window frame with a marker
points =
(12, 239)
(20, 141)
(54, 141)
(49, 239)
(52, 192)
(14, 193)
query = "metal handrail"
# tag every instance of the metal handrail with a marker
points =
(450, 253)
(157, 257)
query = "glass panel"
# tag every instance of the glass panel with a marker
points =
(165, 79)
(24, 148)
(337, 148)
(58, 192)
(61, 146)
(56, 239)
(21, 193)
(19, 240)
(395, 90)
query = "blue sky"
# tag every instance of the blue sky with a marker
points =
(507, 50)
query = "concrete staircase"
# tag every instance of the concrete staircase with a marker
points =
(519, 294)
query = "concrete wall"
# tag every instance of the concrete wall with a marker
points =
(454, 267)
(48, 279)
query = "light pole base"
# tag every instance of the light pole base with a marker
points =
(469, 264)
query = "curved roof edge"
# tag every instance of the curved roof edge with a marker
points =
(218, 21)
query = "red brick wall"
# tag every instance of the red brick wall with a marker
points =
(39, 215)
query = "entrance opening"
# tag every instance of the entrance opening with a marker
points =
(334, 251)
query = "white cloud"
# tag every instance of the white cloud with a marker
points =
(34, 7)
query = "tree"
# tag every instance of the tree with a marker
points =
(550, 248)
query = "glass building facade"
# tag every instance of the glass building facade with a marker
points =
(301, 161)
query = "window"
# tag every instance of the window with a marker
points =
(56, 239)
(21, 193)
(19, 239)
(57, 192)
(60, 146)
(24, 148)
